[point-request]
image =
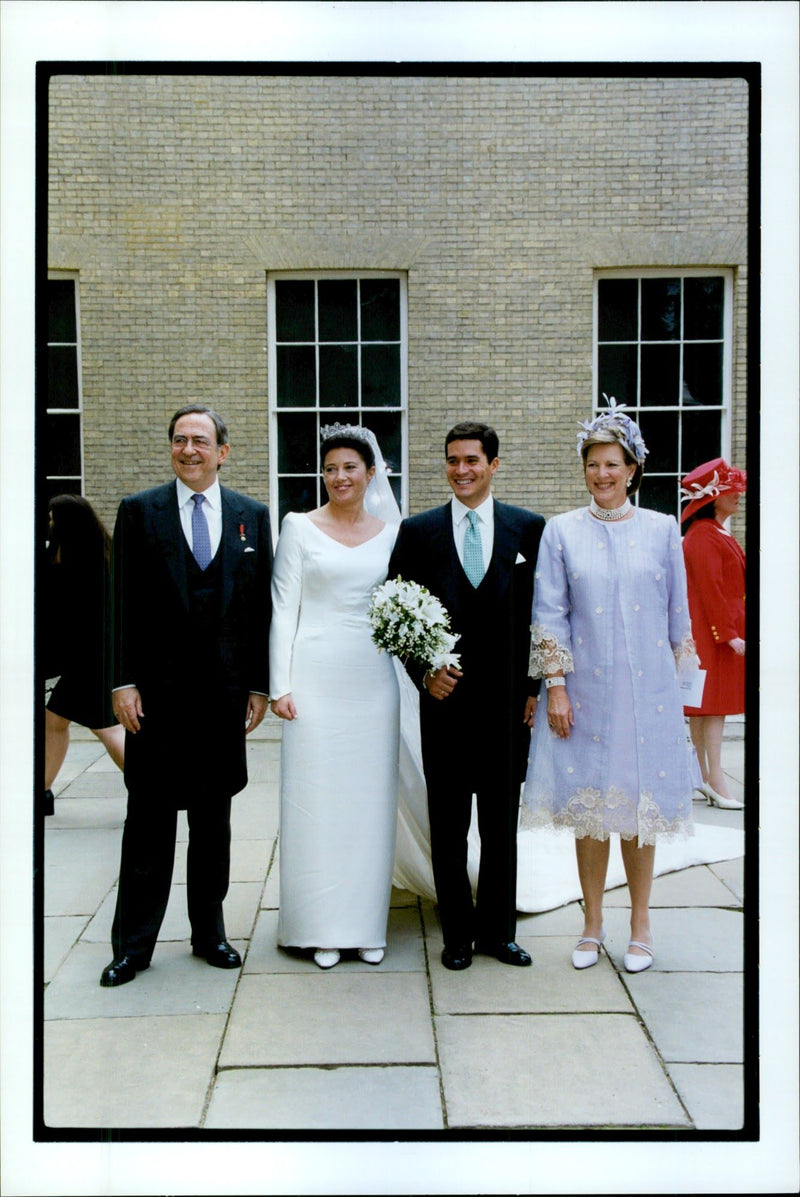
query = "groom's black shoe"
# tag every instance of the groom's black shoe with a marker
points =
(457, 957)
(121, 970)
(506, 953)
(221, 954)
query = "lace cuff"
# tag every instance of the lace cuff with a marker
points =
(547, 655)
(686, 653)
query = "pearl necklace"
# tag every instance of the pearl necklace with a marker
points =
(614, 513)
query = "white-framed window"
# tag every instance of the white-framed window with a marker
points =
(63, 433)
(337, 344)
(663, 346)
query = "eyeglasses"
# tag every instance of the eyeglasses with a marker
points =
(199, 442)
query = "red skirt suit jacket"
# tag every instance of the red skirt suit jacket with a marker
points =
(715, 575)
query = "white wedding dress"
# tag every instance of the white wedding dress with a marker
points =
(339, 757)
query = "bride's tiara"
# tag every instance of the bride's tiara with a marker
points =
(357, 431)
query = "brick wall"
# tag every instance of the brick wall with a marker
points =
(173, 195)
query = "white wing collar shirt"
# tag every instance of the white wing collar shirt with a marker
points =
(485, 514)
(212, 509)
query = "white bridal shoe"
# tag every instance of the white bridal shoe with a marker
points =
(371, 955)
(581, 959)
(637, 964)
(326, 957)
(715, 799)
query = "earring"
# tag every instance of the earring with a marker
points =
(628, 483)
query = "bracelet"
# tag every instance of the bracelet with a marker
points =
(554, 681)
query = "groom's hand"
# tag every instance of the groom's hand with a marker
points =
(441, 683)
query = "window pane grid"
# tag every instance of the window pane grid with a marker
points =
(335, 358)
(662, 349)
(63, 439)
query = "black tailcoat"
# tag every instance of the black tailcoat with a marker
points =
(195, 645)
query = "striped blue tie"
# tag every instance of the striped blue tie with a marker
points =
(473, 551)
(201, 542)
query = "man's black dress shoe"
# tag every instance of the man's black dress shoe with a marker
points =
(221, 955)
(458, 957)
(120, 971)
(506, 953)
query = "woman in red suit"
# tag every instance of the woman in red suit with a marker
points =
(715, 574)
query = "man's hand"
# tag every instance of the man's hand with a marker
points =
(442, 682)
(127, 705)
(530, 710)
(256, 710)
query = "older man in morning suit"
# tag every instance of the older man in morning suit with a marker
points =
(478, 556)
(192, 572)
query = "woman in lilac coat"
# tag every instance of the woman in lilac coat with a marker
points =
(610, 626)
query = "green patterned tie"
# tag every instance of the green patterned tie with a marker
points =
(473, 551)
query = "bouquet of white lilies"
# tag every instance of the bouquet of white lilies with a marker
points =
(410, 623)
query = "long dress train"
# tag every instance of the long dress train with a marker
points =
(547, 875)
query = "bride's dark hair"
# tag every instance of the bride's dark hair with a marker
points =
(344, 440)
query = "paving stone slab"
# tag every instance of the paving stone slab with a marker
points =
(93, 784)
(84, 814)
(104, 764)
(553, 1070)
(693, 1018)
(61, 933)
(564, 920)
(271, 896)
(129, 1073)
(250, 860)
(714, 816)
(685, 940)
(696, 886)
(80, 755)
(549, 984)
(712, 1093)
(176, 983)
(377, 1098)
(263, 761)
(254, 814)
(405, 950)
(336, 1017)
(80, 868)
(731, 873)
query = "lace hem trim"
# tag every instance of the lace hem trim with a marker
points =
(547, 655)
(590, 813)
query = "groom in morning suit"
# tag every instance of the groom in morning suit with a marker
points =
(477, 556)
(192, 569)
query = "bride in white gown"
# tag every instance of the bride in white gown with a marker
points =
(347, 829)
(339, 698)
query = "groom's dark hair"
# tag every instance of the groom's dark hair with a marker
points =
(471, 430)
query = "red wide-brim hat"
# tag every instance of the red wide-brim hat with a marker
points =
(707, 481)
